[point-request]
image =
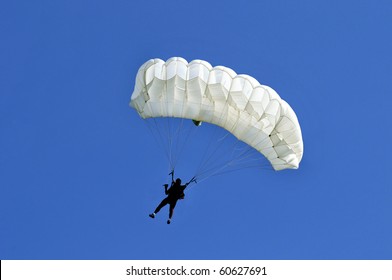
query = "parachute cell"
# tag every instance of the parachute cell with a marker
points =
(252, 112)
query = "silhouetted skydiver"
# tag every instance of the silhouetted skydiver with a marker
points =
(174, 193)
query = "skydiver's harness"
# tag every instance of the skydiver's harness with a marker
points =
(182, 194)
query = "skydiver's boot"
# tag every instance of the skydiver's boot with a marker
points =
(168, 222)
(152, 215)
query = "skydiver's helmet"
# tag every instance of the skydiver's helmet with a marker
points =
(178, 181)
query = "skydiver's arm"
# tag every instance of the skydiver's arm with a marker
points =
(186, 185)
(166, 191)
(172, 173)
(190, 181)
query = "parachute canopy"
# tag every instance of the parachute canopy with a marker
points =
(252, 112)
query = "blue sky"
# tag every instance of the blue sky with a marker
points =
(80, 171)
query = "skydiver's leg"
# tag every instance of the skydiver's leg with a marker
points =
(163, 203)
(171, 210)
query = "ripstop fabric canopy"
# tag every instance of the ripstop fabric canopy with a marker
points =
(252, 112)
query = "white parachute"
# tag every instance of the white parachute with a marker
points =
(252, 112)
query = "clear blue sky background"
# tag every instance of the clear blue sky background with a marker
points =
(80, 171)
